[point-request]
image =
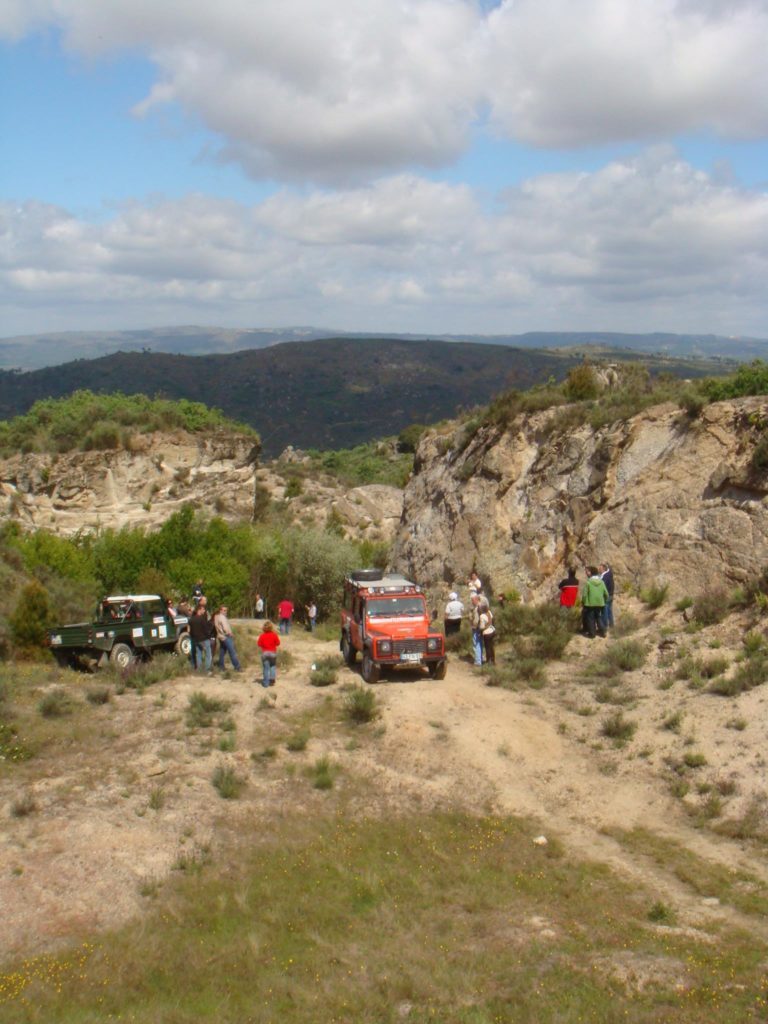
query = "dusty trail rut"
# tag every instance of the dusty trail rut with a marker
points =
(80, 862)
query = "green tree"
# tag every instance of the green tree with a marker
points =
(31, 618)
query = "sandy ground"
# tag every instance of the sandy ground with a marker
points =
(101, 840)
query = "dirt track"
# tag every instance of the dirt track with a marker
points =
(95, 845)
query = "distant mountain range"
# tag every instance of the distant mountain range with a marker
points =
(322, 394)
(35, 351)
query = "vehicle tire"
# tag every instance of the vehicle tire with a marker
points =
(437, 669)
(184, 645)
(122, 656)
(371, 670)
(348, 652)
(365, 575)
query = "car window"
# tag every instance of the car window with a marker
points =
(395, 606)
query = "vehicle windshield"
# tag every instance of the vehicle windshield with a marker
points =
(391, 606)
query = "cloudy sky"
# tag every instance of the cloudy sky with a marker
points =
(393, 165)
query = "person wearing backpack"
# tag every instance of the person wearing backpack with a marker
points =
(488, 631)
(594, 595)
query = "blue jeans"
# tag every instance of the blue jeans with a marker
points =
(477, 646)
(285, 625)
(227, 643)
(202, 654)
(607, 616)
(269, 670)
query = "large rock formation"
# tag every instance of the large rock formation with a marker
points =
(661, 497)
(88, 490)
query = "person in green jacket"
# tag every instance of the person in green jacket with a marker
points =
(594, 596)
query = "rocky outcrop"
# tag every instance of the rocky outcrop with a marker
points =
(81, 491)
(661, 497)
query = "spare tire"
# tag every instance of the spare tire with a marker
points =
(365, 575)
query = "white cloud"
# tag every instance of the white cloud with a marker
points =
(644, 244)
(340, 91)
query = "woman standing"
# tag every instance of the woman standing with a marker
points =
(268, 642)
(488, 631)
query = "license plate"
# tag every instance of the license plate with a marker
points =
(410, 657)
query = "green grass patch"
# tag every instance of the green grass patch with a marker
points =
(433, 918)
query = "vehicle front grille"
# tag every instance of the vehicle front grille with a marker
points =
(409, 646)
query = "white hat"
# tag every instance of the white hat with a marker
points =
(453, 596)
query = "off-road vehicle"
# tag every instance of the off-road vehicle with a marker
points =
(124, 628)
(385, 618)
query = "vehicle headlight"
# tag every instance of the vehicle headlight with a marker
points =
(385, 646)
(433, 643)
(55, 639)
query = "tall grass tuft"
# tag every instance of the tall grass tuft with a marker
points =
(361, 706)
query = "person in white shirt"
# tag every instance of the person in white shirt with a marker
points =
(454, 612)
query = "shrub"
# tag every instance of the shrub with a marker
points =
(654, 596)
(32, 618)
(660, 913)
(754, 643)
(201, 710)
(298, 741)
(712, 667)
(98, 694)
(360, 705)
(55, 703)
(626, 655)
(23, 805)
(324, 774)
(694, 759)
(673, 722)
(617, 727)
(323, 676)
(625, 624)
(581, 384)
(226, 782)
(750, 673)
(710, 607)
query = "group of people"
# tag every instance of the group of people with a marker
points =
(481, 621)
(596, 595)
(208, 632)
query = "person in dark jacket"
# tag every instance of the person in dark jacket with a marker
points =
(200, 633)
(606, 574)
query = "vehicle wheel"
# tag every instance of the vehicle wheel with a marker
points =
(365, 575)
(184, 645)
(122, 656)
(371, 670)
(348, 652)
(437, 669)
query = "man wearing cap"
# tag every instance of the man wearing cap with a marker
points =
(454, 611)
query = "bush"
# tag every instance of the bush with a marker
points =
(201, 710)
(55, 704)
(626, 655)
(710, 607)
(31, 619)
(617, 727)
(324, 672)
(98, 694)
(298, 741)
(654, 596)
(581, 384)
(750, 673)
(360, 705)
(227, 783)
(324, 773)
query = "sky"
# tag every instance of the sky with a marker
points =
(445, 166)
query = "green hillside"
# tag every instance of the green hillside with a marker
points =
(327, 394)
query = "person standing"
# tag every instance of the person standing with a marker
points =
(226, 638)
(594, 594)
(197, 593)
(488, 631)
(268, 643)
(606, 574)
(569, 589)
(474, 583)
(200, 634)
(477, 633)
(285, 613)
(454, 612)
(311, 610)
(258, 607)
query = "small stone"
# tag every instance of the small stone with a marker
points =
(540, 841)
(711, 901)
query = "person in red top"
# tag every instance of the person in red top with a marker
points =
(569, 589)
(285, 611)
(268, 642)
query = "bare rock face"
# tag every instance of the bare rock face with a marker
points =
(143, 486)
(660, 497)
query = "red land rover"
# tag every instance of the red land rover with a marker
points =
(385, 618)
